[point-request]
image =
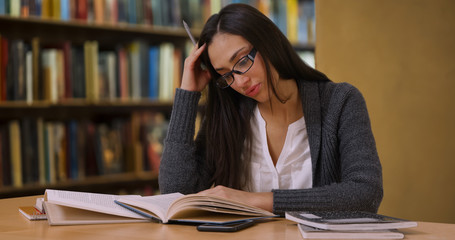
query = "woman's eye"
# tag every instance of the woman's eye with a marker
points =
(243, 62)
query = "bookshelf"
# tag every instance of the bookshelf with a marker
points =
(129, 112)
(81, 107)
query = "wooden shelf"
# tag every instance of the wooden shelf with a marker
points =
(78, 109)
(80, 31)
(304, 47)
(105, 183)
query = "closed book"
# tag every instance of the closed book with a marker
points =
(49, 145)
(135, 66)
(41, 151)
(307, 22)
(35, 8)
(82, 9)
(4, 67)
(100, 148)
(348, 220)
(46, 10)
(316, 233)
(15, 151)
(31, 213)
(280, 15)
(91, 71)
(166, 71)
(73, 164)
(81, 135)
(60, 151)
(122, 11)
(144, 69)
(123, 73)
(36, 84)
(55, 9)
(177, 68)
(50, 74)
(154, 72)
(148, 14)
(157, 13)
(29, 149)
(29, 76)
(5, 174)
(91, 168)
(111, 11)
(132, 12)
(98, 9)
(67, 70)
(24, 8)
(60, 68)
(78, 73)
(103, 76)
(65, 10)
(15, 8)
(15, 81)
(292, 20)
(108, 69)
(2, 7)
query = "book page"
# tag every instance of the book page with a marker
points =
(158, 204)
(97, 202)
(215, 204)
(62, 215)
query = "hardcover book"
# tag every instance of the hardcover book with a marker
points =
(316, 233)
(352, 221)
(69, 208)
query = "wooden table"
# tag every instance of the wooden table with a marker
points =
(14, 226)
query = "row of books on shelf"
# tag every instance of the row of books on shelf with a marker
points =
(30, 71)
(294, 17)
(39, 152)
(148, 12)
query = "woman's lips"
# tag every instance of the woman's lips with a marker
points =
(253, 90)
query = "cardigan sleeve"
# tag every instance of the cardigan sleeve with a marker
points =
(348, 169)
(182, 167)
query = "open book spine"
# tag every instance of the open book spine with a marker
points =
(142, 213)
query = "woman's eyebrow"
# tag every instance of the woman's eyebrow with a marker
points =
(232, 57)
(235, 54)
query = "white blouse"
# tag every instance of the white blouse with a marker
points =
(293, 168)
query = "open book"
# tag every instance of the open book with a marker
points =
(348, 221)
(69, 207)
(193, 208)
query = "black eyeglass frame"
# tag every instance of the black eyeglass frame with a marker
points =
(251, 55)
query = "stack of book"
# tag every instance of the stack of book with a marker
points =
(348, 225)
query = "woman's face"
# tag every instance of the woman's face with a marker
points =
(225, 51)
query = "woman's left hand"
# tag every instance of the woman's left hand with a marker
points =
(262, 200)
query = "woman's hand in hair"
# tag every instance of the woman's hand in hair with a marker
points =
(194, 77)
(262, 200)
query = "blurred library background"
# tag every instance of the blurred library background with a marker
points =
(86, 86)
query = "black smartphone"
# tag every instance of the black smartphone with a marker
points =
(229, 227)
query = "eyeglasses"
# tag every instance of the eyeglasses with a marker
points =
(240, 67)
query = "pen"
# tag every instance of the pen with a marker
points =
(187, 29)
(189, 33)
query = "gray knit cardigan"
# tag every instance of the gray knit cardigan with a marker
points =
(347, 174)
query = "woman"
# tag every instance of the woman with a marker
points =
(276, 133)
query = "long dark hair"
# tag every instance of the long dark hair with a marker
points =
(227, 115)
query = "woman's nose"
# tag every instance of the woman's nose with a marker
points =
(241, 80)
